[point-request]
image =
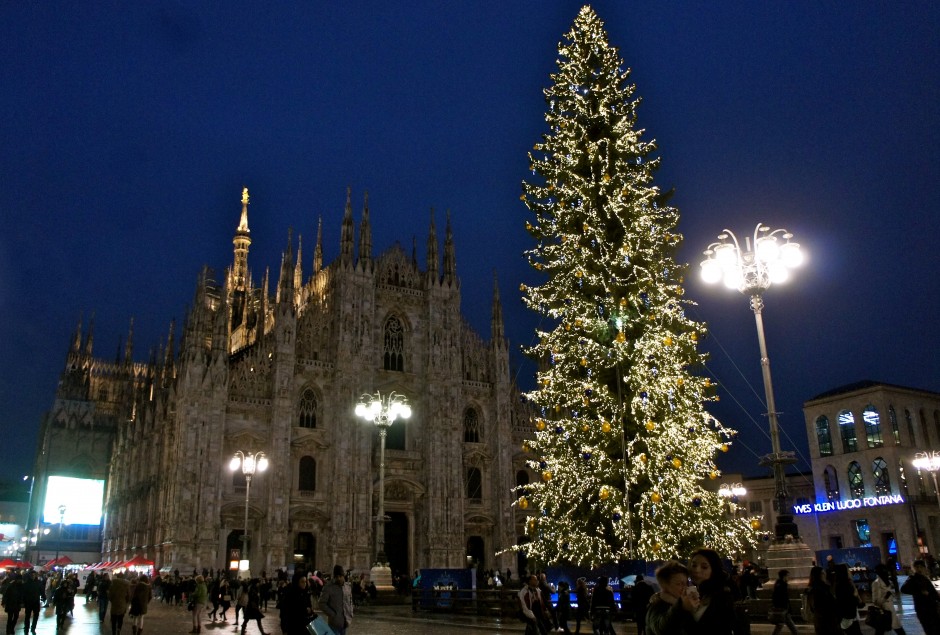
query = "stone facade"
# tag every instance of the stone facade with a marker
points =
(281, 373)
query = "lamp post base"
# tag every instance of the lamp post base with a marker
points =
(791, 554)
(381, 575)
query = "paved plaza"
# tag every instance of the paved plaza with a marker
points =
(370, 620)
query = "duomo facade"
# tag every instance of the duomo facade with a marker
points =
(278, 367)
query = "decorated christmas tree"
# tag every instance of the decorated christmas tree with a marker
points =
(623, 443)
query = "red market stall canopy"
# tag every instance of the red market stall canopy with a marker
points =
(135, 562)
(8, 564)
(61, 561)
(24, 564)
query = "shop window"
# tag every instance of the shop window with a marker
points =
(893, 418)
(879, 469)
(872, 427)
(756, 507)
(863, 531)
(856, 481)
(847, 428)
(824, 436)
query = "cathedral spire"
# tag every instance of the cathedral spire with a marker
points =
(298, 274)
(285, 283)
(90, 340)
(77, 337)
(318, 251)
(450, 260)
(365, 237)
(263, 308)
(414, 250)
(497, 331)
(242, 242)
(129, 345)
(346, 234)
(432, 251)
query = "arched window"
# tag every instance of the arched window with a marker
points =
(893, 418)
(847, 428)
(856, 482)
(471, 426)
(910, 426)
(474, 484)
(879, 469)
(522, 478)
(393, 347)
(872, 427)
(823, 436)
(307, 416)
(831, 483)
(902, 478)
(239, 480)
(307, 474)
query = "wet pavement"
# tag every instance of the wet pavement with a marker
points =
(163, 619)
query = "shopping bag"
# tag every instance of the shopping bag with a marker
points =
(319, 626)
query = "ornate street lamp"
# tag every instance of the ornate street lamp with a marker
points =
(929, 461)
(249, 464)
(733, 492)
(751, 269)
(382, 411)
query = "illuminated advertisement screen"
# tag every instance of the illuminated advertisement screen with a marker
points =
(82, 498)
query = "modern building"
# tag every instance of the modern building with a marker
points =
(278, 366)
(863, 439)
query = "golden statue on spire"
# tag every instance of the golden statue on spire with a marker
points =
(245, 196)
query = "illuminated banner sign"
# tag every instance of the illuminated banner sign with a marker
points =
(852, 503)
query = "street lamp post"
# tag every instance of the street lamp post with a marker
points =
(751, 269)
(58, 542)
(733, 492)
(249, 464)
(382, 411)
(929, 461)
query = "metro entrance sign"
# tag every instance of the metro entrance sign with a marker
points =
(852, 503)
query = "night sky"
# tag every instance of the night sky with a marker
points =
(127, 130)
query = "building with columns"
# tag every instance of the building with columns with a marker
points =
(863, 439)
(277, 365)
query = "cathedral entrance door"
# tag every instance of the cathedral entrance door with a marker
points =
(396, 542)
(305, 551)
(476, 554)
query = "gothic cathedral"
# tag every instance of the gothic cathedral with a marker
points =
(281, 373)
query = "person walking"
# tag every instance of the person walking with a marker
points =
(253, 609)
(225, 599)
(197, 602)
(104, 585)
(532, 605)
(140, 600)
(33, 596)
(584, 601)
(295, 607)
(926, 599)
(640, 601)
(12, 589)
(847, 601)
(882, 597)
(822, 603)
(563, 609)
(118, 595)
(780, 604)
(332, 601)
(602, 607)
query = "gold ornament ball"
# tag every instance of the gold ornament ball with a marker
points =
(650, 425)
(585, 428)
(605, 427)
(755, 524)
(694, 337)
(680, 381)
(605, 493)
(621, 338)
(584, 361)
(724, 447)
(643, 457)
(578, 274)
(525, 447)
(668, 341)
(523, 503)
(657, 547)
(713, 475)
(655, 497)
(539, 425)
(546, 475)
(522, 287)
(676, 463)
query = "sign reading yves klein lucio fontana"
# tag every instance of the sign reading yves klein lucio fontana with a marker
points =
(852, 503)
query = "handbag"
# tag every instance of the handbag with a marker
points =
(226, 598)
(878, 618)
(319, 626)
(777, 616)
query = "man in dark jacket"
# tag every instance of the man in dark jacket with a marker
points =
(295, 606)
(12, 599)
(640, 601)
(331, 600)
(33, 597)
(926, 599)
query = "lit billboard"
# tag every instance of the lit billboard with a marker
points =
(82, 499)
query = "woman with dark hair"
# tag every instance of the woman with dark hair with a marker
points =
(584, 600)
(882, 597)
(847, 601)
(822, 603)
(715, 615)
